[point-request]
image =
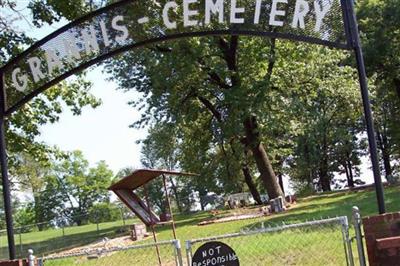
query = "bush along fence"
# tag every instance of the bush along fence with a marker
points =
(319, 242)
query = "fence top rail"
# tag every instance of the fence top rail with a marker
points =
(342, 220)
(108, 250)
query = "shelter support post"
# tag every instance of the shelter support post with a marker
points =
(356, 43)
(146, 194)
(4, 175)
(169, 205)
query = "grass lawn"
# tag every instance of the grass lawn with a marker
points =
(286, 248)
(56, 239)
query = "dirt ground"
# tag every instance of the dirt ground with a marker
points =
(104, 244)
(237, 214)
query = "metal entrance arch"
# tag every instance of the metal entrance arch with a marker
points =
(129, 24)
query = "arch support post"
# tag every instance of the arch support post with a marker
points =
(4, 175)
(356, 45)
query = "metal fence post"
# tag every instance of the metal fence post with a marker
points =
(31, 258)
(97, 222)
(20, 241)
(189, 252)
(40, 262)
(359, 236)
(175, 254)
(122, 216)
(178, 252)
(347, 241)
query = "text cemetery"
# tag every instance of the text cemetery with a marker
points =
(113, 32)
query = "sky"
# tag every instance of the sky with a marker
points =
(102, 133)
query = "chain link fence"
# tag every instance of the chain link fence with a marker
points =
(50, 237)
(319, 242)
(164, 252)
(322, 242)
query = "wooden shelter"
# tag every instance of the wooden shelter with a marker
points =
(125, 190)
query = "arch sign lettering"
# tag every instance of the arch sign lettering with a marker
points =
(128, 24)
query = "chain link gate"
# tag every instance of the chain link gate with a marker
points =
(358, 235)
(320, 242)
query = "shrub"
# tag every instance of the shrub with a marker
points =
(23, 218)
(104, 212)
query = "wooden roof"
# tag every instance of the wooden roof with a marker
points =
(142, 176)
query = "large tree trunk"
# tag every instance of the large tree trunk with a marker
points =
(397, 87)
(38, 214)
(344, 164)
(280, 180)
(350, 180)
(252, 187)
(383, 145)
(324, 178)
(176, 194)
(386, 163)
(325, 183)
(202, 194)
(279, 173)
(261, 158)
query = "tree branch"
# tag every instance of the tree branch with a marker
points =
(271, 63)
(158, 48)
(229, 51)
(211, 108)
(213, 76)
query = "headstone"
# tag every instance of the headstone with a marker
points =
(291, 198)
(272, 204)
(277, 204)
(280, 204)
(215, 253)
(165, 217)
(138, 231)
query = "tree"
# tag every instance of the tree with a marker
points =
(349, 149)
(25, 216)
(328, 110)
(104, 212)
(160, 151)
(217, 169)
(22, 127)
(204, 78)
(35, 176)
(82, 186)
(379, 21)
